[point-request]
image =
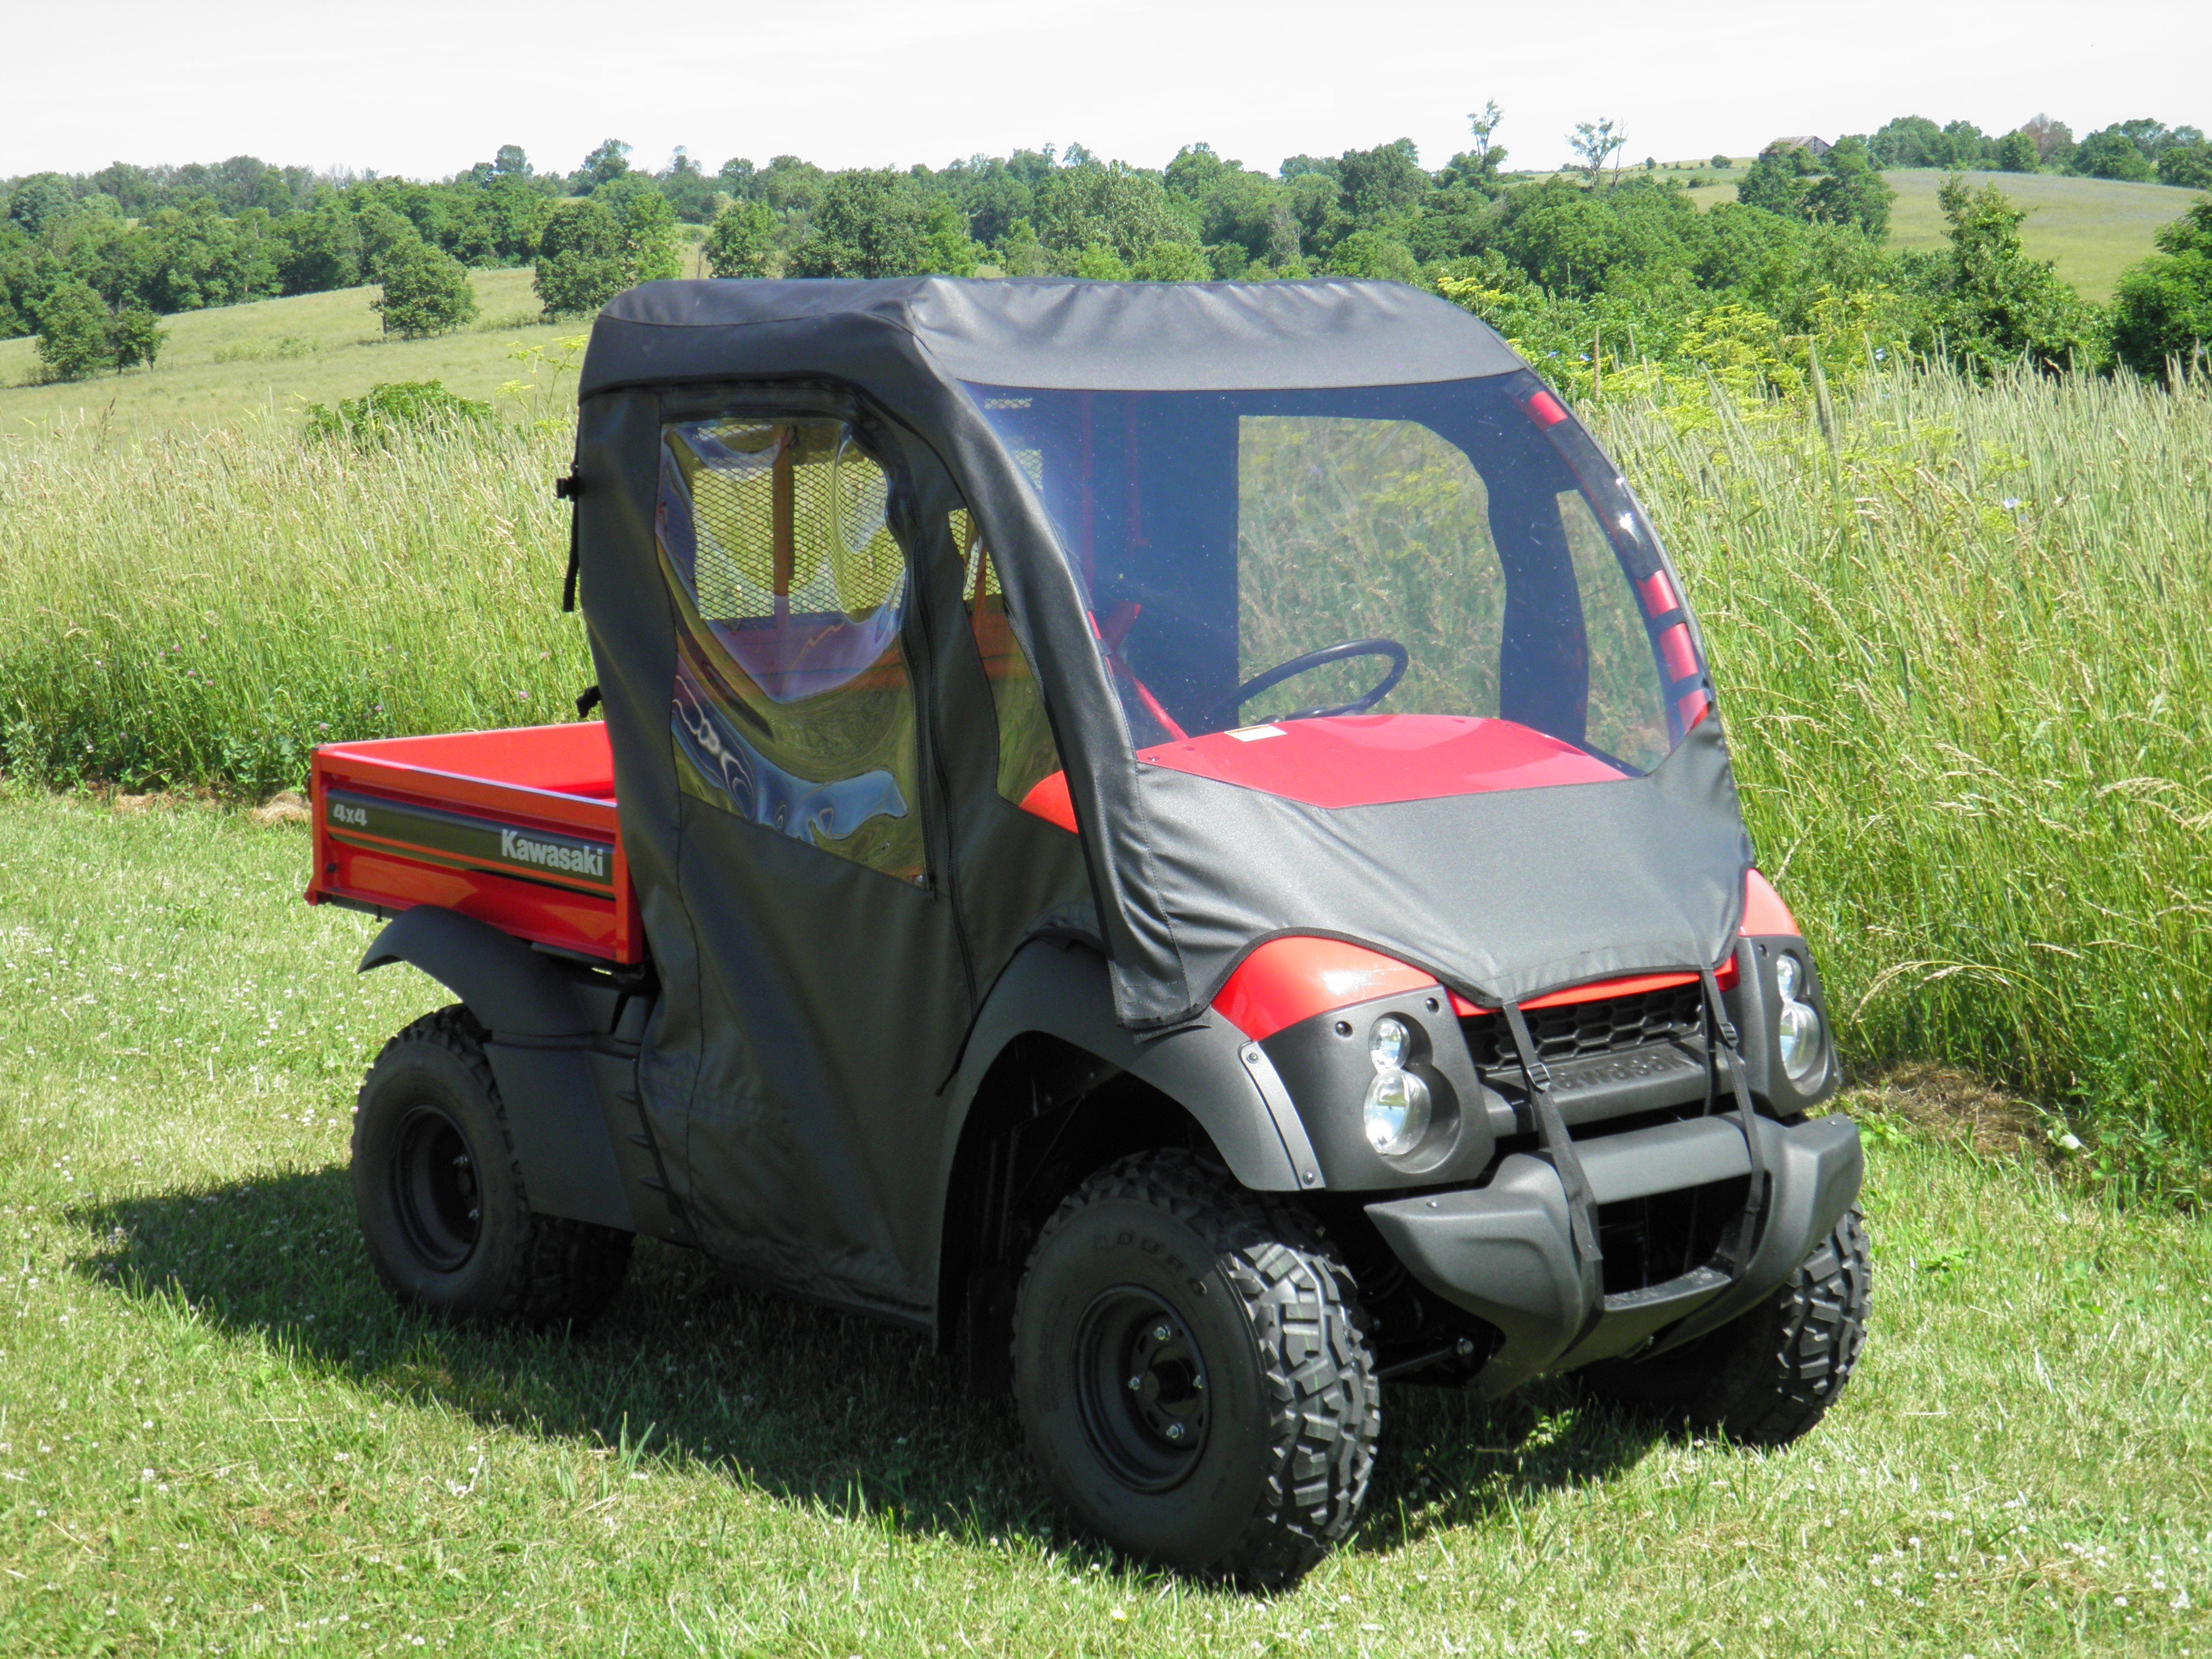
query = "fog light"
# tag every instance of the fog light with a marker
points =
(1797, 1028)
(1397, 1111)
(1387, 1042)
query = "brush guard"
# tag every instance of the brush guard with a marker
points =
(1523, 1252)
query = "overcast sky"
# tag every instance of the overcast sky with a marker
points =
(424, 87)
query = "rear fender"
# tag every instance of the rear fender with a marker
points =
(545, 1055)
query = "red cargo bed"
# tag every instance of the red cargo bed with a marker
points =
(515, 828)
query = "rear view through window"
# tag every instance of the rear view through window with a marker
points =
(1395, 567)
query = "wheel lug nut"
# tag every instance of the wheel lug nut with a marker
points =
(1175, 1431)
(1135, 1383)
(1161, 1334)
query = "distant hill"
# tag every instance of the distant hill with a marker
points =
(2091, 230)
(276, 355)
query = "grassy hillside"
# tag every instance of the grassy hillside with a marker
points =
(276, 354)
(2091, 230)
(216, 1434)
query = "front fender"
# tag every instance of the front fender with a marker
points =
(1062, 990)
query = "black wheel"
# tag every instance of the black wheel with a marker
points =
(441, 1198)
(1191, 1372)
(1767, 1378)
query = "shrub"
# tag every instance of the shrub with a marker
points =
(73, 340)
(1721, 163)
(386, 411)
(425, 292)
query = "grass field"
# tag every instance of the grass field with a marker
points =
(2091, 230)
(216, 1435)
(273, 356)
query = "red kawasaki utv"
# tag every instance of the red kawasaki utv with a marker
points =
(1175, 839)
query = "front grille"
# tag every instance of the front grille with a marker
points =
(1648, 1241)
(1576, 1031)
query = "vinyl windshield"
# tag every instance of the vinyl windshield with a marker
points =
(1448, 557)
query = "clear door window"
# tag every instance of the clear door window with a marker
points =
(793, 706)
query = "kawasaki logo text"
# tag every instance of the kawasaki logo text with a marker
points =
(550, 856)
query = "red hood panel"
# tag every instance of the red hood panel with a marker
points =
(1368, 760)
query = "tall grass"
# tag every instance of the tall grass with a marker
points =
(1962, 640)
(207, 609)
(1960, 631)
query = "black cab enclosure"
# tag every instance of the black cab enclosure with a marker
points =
(1183, 842)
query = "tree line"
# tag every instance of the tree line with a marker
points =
(1563, 263)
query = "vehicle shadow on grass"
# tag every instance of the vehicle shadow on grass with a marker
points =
(812, 1406)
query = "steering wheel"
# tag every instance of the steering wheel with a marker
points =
(1342, 652)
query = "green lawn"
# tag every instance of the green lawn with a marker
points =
(215, 1435)
(277, 354)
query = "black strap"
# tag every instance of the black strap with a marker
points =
(1721, 1047)
(566, 489)
(1582, 1206)
(587, 702)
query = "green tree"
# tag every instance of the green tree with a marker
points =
(1370, 254)
(511, 162)
(1488, 156)
(1172, 262)
(579, 259)
(2016, 152)
(869, 223)
(73, 337)
(1849, 190)
(2162, 308)
(1780, 181)
(2189, 166)
(2112, 153)
(321, 247)
(41, 200)
(609, 163)
(425, 292)
(1381, 185)
(136, 336)
(1100, 263)
(951, 251)
(742, 241)
(1721, 163)
(1594, 143)
(690, 192)
(1021, 254)
(647, 224)
(1995, 305)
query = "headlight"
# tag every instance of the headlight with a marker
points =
(1387, 1042)
(1797, 1029)
(1396, 1110)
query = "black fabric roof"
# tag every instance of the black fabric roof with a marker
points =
(1044, 332)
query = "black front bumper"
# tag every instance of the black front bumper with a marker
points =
(1504, 1252)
